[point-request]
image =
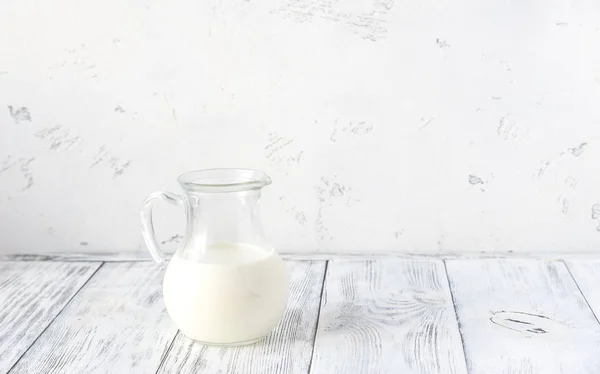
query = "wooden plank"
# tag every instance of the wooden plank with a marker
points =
(32, 294)
(116, 324)
(587, 276)
(392, 316)
(523, 316)
(287, 350)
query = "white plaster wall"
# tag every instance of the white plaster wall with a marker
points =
(414, 126)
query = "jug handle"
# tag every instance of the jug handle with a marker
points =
(147, 225)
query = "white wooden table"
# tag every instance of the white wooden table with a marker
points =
(383, 315)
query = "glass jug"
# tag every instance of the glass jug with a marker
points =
(225, 285)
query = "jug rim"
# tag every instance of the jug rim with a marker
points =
(223, 180)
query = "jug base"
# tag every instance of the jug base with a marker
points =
(232, 344)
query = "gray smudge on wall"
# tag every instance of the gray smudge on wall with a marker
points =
(298, 215)
(360, 128)
(542, 169)
(102, 153)
(564, 204)
(596, 214)
(556, 160)
(425, 122)
(505, 65)
(507, 128)
(578, 151)
(26, 171)
(44, 133)
(571, 182)
(282, 152)
(19, 114)
(276, 143)
(329, 191)
(112, 162)
(58, 139)
(78, 59)
(7, 164)
(369, 23)
(322, 231)
(118, 167)
(441, 43)
(475, 180)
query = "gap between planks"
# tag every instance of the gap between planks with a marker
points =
(40, 292)
(116, 323)
(587, 286)
(312, 354)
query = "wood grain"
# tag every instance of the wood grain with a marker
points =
(523, 316)
(287, 350)
(32, 294)
(116, 324)
(392, 316)
(587, 276)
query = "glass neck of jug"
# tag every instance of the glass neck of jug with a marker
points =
(223, 213)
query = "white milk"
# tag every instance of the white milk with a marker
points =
(236, 294)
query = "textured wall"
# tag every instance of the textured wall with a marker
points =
(386, 125)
